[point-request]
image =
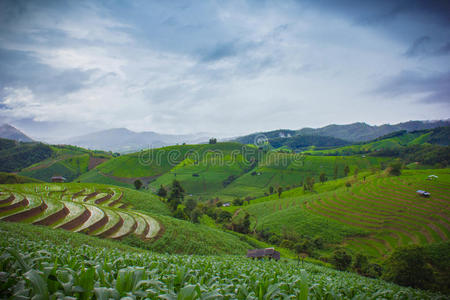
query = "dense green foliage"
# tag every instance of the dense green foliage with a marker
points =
(36, 267)
(8, 178)
(432, 155)
(420, 267)
(15, 156)
(302, 142)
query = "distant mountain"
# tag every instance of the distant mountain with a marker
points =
(125, 141)
(362, 132)
(9, 132)
(356, 132)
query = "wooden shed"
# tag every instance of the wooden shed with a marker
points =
(269, 253)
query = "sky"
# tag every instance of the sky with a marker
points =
(224, 67)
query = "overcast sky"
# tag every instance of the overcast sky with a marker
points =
(226, 67)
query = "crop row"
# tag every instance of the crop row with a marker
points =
(391, 209)
(43, 270)
(94, 212)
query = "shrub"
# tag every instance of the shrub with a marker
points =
(407, 266)
(341, 259)
(238, 202)
(138, 184)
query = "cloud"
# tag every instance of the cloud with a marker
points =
(430, 89)
(444, 50)
(419, 47)
(228, 67)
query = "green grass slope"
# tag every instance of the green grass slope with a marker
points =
(40, 263)
(67, 161)
(377, 214)
(9, 178)
(118, 213)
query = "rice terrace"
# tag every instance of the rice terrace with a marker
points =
(141, 155)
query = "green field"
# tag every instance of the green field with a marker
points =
(46, 264)
(112, 212)
(377, 214)
(67, 161)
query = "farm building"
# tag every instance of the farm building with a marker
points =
(263, 253)
(58, 179)
(226, 204)
(423, 193)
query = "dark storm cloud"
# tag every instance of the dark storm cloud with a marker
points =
(373, 12)
(430, 89)
(20, 68)
(444, 50)
(143, 64)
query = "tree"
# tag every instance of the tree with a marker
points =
(341, 259)
(238, 202)
(408, 266)
(355, 173)
(138, 184)
(176, 195)
(190, 205)
(270, 190)
(346, 171)
(322, 177)
(162, 192)
(309, 184)
(213, 141)
(335, 171)
(195, 215)
(395, 169)
(280, 190)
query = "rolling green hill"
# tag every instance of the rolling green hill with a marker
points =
(67, 161)
(375, 214)
(223, 170)
(395, 140)
(110, 212)
(17, 155)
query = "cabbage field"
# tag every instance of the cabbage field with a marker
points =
(36, 268)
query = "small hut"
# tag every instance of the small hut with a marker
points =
(269, 253)
(58, 179)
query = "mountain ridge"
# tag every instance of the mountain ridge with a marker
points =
(10, 132)
(354, 132)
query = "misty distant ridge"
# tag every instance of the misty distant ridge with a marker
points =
(10, 132)
(355, 132)
(124, 140)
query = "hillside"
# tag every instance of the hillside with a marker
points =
(67, 161)
(392, 141)
(111, 212)
(223, 170)
(374, 215)
(10, 132)
(107, 269)
(17, 155)
(356, 132)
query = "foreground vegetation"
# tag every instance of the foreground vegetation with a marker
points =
(32, 266)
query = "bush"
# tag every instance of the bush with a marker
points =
(238, 202)
(395, 169)
(341, 259)
(407, 266)
(138, 184)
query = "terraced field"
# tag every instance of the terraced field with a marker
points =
(90, 210)
(390, 209)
